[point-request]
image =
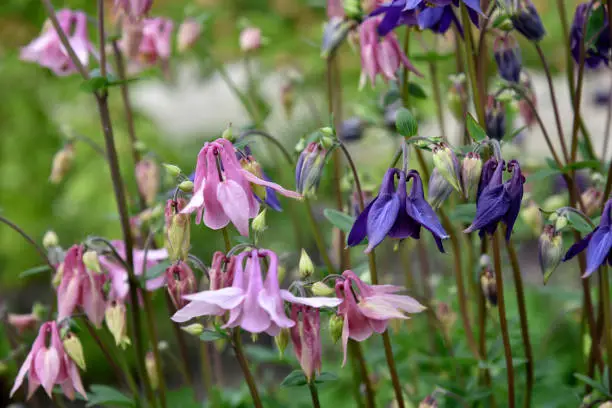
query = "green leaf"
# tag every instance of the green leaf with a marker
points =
(295, 379)
(587, 380)
(552, 164)
(541, 175)
(474, 129)
(500, 20)
(416, 90)
(324, 377)
(587, 164)
(595, 25)
(104, 395)
(405, 123)
(464, 213)
(393, 95)
(578, 223)
(339, 219)
(210, 335)
(95, 83)
(157, 270)
(34, 271)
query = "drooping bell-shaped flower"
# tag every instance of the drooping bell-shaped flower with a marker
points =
(495, 118)
(148, 179)
(526, 20)
(156, 43)
(80, 287)
(47, 364)
(508, 58)
(306, 338)
(180, 281)
(597, 243)
(254, 304)
(221, 272)
(223, 191)
(133, 9)
(597, 50)
(177, 230)
(498, 200)
(47, 50)
(188, 34)
(368, 308)
(309, 168)
(380, 55)
(397, 214)
(22, 322)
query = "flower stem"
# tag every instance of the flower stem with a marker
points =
(501, 307)
(435, 83)
(578, 98)
(397, 385)
(363, 370)
(226, 239)
(319, 241)
(406, 72)
(314, 394)
(31, 241)
(469, 55)
(244, 365)
(520, 298)
(182, 345)
(605, 295)
(154, 339)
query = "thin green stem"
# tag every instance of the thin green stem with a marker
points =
(435, 83)
(314, 394)
(397, 385)
(470, 57)
(319, 241)
(244, 365)
(207, 378)
(406, 72)
(182, 345)
(359, 360)
(578, 99)
(41, 251)
(226, 239)
(154, 339)
(605, 294)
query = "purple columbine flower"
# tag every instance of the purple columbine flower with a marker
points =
(498, 200)
(397, 214)
(597, 243)
(526, 20)
(508, 58)
(599, 48)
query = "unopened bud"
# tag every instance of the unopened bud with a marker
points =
(188, 33)
(508, 58)
(50, 239)
(186, 186)
(445, 316)
(309, 168)
(250, 39)
(22, 322)
(489, 286)
(532, 217)
(527, 21)
(90, 259)
(550, 251)
(321, 289)
(59, 274)
(591, 198)
(282, 340)
(495, 118)
(228, 134)
(429, 402)
(114, 316)
(62, 162)
(194, 329)
(439, 189)
(252, 166)
(178, 231)
(151, 366)
(471, 169)
(288, 98)
(172, 170)
(405, 123)
(336, 324)
(74, 349)
(147, 178)
(561, 222)
(484, 261)
(259, 222)
(457, 96)
(445, 160)
(181, 281)
(305, 266)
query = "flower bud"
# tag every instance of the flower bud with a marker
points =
(172, 170)
(131, 38)
(484, 261)
(334, 33)
(188, 33)
(194, 329)
(186, 186)
(90, 259)
(489, 286)
(252, 166)
(550, 251)
(495, 119)
(471, 168)
(591, 198)
(287, 97)
(336, 324)
(147, 178)
(221, 272)
(532, 217)
(114, 316)
(228, 134)
(74, 349)
(439, 189)
(429, 402)
(457, 96)
(352, 129)
(309, 169)
(152, 372)
(561, 222)
(62, 162)
(446, 316)
(282, 340)
(405, 123)
(250, 39)
(181, 281)
(178, 230)
(508, 58)
(50, 240)
(526, 21)
(259, 222)
(321, 289)
(445, 161)
(305, 266)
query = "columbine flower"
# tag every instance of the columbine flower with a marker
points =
(120, 286)
(155, 41)
(221, 272)
(309, 168)
(47, 364)
(599, 48)
(396, 214)
(250, 39)
(188, 34)
(48, 51)
(597, 244)
(368, 308)
(223, 191)
(254, 305)
(526, 20)
(147, 179)
(380, 55)
(22, 322)
(508, 58)
(181, 281)
(495, 118)
(80, 286)
(133, 9)
(306, 338)
(497, 200)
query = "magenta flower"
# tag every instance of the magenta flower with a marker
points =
(223, 192)
(306, 338)
(22, 322)
(48, 51)
(118, 275)
(219, 276)
(380, 55)
(48, 364)
(153, 37)
(335, 9)
(367, 308)
(254, 305)
(181, 281)
(134, 9)
(81, 287)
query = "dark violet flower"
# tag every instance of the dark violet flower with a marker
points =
(309, 168)
(526, 20)
(397, 13)
(352, 129)
(508, 58)
(495, 118)
(498, 200)
(397, 214)
(597, 244)
(599, 48)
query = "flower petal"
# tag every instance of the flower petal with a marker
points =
(235, 204)
(598, 250)
(25, 367)
(381, 218)
(359, 230)
(47, 365)
(196, 309)
(276, 187)
(226, 298)
(316, 302)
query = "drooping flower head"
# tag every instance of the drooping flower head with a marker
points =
(597, 50)
(47, 364)
(380, 55)
(397, 214)
(498, 200)
(254, 304)
(80, 287)
(263, 194)
(180, 281)
(309, 168)
(222, 189)
(22, 322)
(368, 308)
(526, 20)
(597, 243)
(508, 58)
(306, 338)
(495, 118)
(156, 43)
(133, 9)
(47, 50)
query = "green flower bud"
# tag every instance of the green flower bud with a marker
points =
(327, 131)
(178, 230)
(50, 239)
(405, 123)
(305, 266)
(194, 329)
(228, 134)
(445, 160)
(550, 251)
(90, 259)
(74, 349)
(62, 163)
(259, 222)
(471, 168)
(172, 170)
(186, 186)
(151, 367)
(336, 324)
(114, 316)
(282, 340)
(321, 289)
(489, 286)
(561, 222)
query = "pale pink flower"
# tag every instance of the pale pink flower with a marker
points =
(306, 338)
(223, 193)
(133, 9)
(254, 305)
(188, 33)
(118, 275)
(250, 39)
(22, 322)
(156, 43)
(335, 9)
(367, 308)
(147, 179)
(81, 287)
(48, 51)
(48, 364)
(380, 55)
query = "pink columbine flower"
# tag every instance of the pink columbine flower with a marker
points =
(156, 43)
(48, 51)
(181, 281)
(335, 9)
(221, 272)
(133, 9)
(80, 286)
(22, 322)
(223, 193)
(367, 308)
(250, 39)
(120, 286)
(48, 364)
(254, 305)
(306, 338)
(380, 55)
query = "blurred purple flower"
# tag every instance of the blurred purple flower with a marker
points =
(598, 50)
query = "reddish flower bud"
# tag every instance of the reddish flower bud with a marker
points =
(22, 322)
(188, 33)
(181, 281)
(305, 336)
(250, 39)
(221, 271)
(147, 177)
